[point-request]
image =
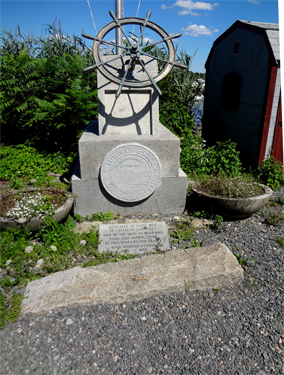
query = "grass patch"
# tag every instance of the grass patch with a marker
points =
(20, 164)
(10, 310)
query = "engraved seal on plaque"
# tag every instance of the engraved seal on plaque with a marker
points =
(131, 172)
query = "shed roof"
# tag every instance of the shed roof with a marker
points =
(270, 30)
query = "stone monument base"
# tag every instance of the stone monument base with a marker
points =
(169, 197)
(92, 197)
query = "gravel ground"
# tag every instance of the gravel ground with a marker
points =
(237, 330)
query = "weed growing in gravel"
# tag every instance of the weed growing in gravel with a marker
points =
(274, 218)
(96, 217)
(276, 202)
(218, 221)
(251, 283)
(195, 243)
(280, 241)
(103, 216)
(79, 219)
(184, 232)
(243, 261)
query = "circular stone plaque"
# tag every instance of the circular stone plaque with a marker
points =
(131, 172)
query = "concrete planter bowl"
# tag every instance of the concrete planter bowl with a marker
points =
(35, 224)
(232, 208)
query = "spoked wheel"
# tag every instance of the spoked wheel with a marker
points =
(134, 48)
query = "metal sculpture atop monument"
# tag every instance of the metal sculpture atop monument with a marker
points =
(134, 49)
(127, 160)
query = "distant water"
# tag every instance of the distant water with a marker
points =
(198, 112)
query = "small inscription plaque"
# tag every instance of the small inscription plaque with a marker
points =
(131, 172)
(135, 238)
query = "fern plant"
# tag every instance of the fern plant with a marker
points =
(47, 101)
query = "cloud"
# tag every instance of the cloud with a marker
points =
(188, 6)
(163, 6)
(195, 30)
(254, 1)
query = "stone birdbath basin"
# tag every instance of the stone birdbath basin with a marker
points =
(232, 208)
(34, 224)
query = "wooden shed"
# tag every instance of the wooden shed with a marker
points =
(243, 93)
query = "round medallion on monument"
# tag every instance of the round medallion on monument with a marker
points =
(131, 172)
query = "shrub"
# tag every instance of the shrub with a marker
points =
(270, 173)
(197, 159)
(47, 102)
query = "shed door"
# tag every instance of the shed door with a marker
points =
(277, 146)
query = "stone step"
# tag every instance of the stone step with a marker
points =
(170, 272)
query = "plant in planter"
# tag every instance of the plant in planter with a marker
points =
(27, 208)
(233, 197)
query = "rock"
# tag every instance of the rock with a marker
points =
(39, 263)
(53, 248)
(22, 220)
(29, 249)
(174, 271)
(9, 261)
(83, 242)
(69, 321)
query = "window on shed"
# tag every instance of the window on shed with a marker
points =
(236, 48)
(231, 91)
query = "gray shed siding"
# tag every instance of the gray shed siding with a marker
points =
(244, 125)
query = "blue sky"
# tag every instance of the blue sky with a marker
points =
(201, 22)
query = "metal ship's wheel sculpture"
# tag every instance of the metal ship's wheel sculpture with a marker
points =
(134, 48)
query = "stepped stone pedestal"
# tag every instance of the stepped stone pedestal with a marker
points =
(127, 161)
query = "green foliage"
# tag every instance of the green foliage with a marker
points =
(270, 173)
(10, 310)
(102, 216)
(79, 218)
(2, 310)
(57, 43)
(251, 283)
(178, 95)
(183, 232)
(22, 163)
(280, 241)
(218, 221)
(274, 218)
(14, 307)
(243, 261)
(174, 115)
(276, 202)
(106, 257)
(197, 159)
(46, 102)
(195, 243)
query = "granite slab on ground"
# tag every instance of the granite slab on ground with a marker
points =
(173, 271)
